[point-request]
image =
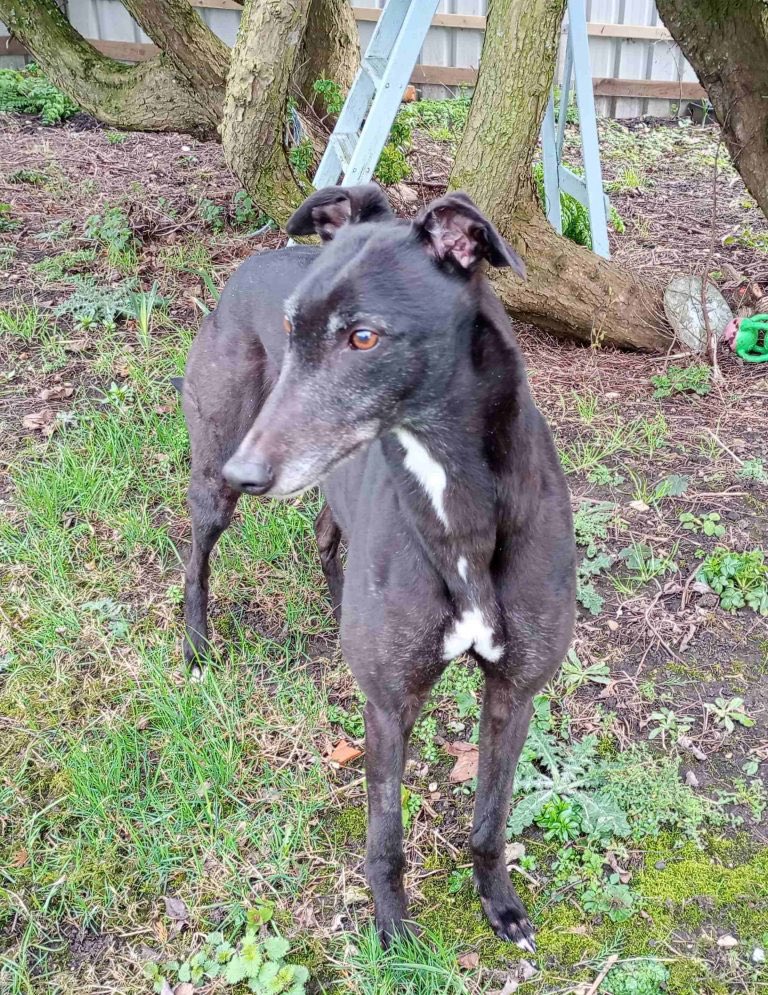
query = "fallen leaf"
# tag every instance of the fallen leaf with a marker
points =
(185, 988)
(639, 506)
(613, 626)
(55, 393)
(166, 988)
(527, 970)
(41, 421)
(76, 345)
(691, 780)
(176, 909)
(343, 753)
(467, 758)
(19, 858)
(160, 930)
(469, 961)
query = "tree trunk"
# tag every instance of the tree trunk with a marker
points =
(149, 96)
(254, 123)
(329, 47)
(726, 42)
(569, 290)
(197, 54)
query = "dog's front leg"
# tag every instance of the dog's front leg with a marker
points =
(504, 724)
(386, 737)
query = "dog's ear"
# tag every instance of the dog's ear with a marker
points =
(454, 230)
(331, 208)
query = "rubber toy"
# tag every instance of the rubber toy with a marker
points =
(748, 338)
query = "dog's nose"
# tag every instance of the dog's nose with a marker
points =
(253, 476)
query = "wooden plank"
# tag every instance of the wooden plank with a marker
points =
(629, 32)
(474, 21)
(217, 4)
(440, 75)
(662, 89)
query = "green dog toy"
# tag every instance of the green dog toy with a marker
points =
(748, 338)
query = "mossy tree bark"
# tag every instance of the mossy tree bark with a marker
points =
(569, 290)
(726, 42)
(266, 55)
(150, 96)
(197, 54)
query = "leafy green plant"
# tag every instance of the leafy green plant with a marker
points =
(644, 565)
(612, 899)
(575, 216)
(91, 304)
(575, 674)
(729, 713)
(590, 523)
(211, 214)
(393, 166)
(117, 137)
(55, 268)
(143, 304)
(637, 977)
(741, 579)
(748, 238)
(560, 819)
(708, 525)
(302, 156)
(629, 179)
(586, 592)
(352, 723)
(257, 963)
(111, 228)
(31, 176)
(695, 379)
(7, 222)
(667, 723)
(753, 469)
(425, 732)
(551, 772)
(605, 476)
(28, 91)
(331, 94)
(245, 213)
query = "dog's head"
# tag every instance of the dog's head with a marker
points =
(376, 329)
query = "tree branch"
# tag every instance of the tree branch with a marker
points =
(197, 54)
(149, 96)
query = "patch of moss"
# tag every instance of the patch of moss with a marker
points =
(562, 933)
(460, 919)
(348, 825)
(693, 977)
(693, 884)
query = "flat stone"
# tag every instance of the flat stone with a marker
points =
(682, 304)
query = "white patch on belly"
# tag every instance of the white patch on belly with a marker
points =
(426, 470)
(468, 631)
(461, 566)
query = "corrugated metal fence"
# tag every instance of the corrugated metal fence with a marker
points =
(637, 68)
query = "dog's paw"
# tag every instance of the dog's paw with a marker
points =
(510, 921)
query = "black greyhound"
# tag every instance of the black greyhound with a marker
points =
(400, 389)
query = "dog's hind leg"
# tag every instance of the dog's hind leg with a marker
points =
(211, 506)
(328, 535)
(504, 724)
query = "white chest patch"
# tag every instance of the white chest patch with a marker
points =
(461, 566)
(429, 473)
(468, 631)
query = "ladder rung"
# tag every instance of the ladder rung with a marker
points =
(345, 142)
(376, 68)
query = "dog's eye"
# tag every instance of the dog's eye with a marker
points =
(363, 338)
(287, 326)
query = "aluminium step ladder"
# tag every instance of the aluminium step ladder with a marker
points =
(363, 126)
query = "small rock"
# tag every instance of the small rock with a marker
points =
(613, 626)
(639, 506)
(355, 895)
(660, 865)
(758, 956)
(407, 194)
(727, 942)
(691, 780)
(527, 970)
(469, 961)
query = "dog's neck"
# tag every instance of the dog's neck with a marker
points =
(458, 467)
